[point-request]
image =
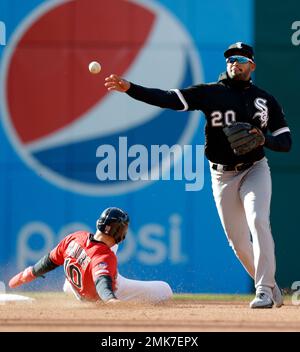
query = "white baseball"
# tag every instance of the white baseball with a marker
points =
(94, 67)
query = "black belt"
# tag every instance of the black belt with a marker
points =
(237, 167)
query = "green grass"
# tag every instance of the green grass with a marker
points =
(177, 296)
(205, 297)
(213, 297)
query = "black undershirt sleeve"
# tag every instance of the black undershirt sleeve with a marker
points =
(163, 98)
(43, 266)
(104, 288)
(280, 143)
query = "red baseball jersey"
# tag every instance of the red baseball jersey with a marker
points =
(84, 260)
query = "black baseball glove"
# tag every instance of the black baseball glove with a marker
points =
(241, 140)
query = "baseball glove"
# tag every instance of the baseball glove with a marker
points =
(241, 140)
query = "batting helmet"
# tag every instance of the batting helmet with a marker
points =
(114, 222)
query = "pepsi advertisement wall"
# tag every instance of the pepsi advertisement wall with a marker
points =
(59, 125)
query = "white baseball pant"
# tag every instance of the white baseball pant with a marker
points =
(134, 290)
(243, 203)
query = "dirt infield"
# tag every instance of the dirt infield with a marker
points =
(60, 313)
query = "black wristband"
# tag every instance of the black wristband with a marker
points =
(280, 143)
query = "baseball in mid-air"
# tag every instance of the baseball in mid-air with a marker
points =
(94, 67)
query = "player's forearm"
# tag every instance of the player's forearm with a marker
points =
(104, 288)
(29, 274)
(280, 143)
(43, 266)
(163, 98)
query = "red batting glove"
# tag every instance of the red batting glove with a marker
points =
(22, 278)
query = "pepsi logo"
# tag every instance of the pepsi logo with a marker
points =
(56, 114)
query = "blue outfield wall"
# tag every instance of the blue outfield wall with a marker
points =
(57, 120)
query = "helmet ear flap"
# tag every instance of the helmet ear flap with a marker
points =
(117, 230)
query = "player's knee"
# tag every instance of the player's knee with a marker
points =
(166, 292)
(260, 222)
(239, 250)
(242, 254)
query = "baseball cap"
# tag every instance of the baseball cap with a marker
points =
(240, 48)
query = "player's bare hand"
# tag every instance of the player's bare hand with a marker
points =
(115, 82)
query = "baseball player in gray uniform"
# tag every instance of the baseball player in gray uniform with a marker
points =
(241, 120)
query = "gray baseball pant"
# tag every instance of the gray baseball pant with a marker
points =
(243, 201)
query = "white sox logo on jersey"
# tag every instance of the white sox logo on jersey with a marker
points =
(263, 113)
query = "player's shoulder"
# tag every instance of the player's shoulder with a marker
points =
(99, 247)
(77, 235)
(205, 84)
(103, 253)
(105, 250)
(201, 87)
(263, 92)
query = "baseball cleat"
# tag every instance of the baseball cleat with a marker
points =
(262, 300)
(277, 296)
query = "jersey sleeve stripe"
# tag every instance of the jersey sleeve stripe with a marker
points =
(102, 271)
(181, 98)
(281, 130)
